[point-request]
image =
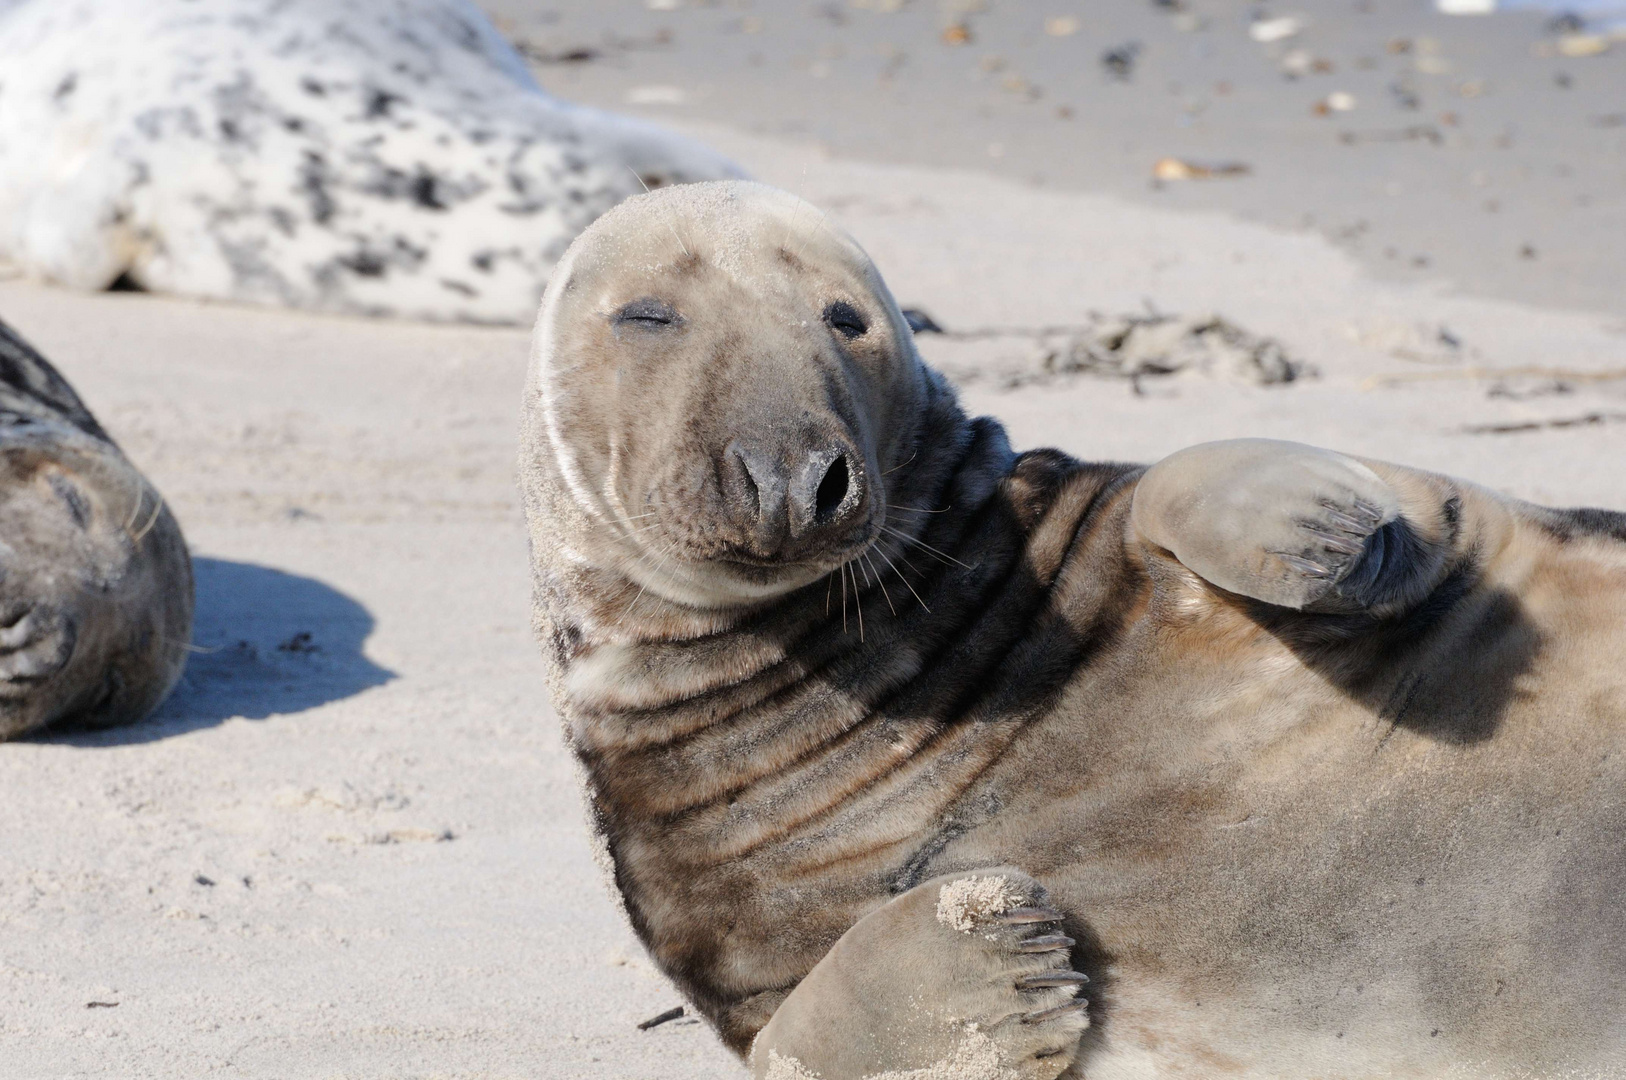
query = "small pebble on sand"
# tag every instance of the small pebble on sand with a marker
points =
(1170, 169)
(1579, 45)
(1281, 28)
(1337, 101)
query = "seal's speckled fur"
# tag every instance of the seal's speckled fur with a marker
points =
(384, 158)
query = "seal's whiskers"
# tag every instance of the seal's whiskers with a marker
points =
(858, 602)
(671, 549)
(843, 598)
(882, 552)
(901, 464)
(878, 581)
(157, 508)
(943, 555)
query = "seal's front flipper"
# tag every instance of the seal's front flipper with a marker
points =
(966, 972)
(1291, 525)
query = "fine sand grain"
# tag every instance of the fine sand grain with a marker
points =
(351, 845)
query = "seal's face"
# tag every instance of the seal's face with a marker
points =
(725, 382)
(64, 554)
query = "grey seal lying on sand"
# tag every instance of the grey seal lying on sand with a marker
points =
(95, 581)
(375, 158)
(1311, 765)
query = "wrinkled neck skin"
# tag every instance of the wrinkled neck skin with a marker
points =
(763, 775)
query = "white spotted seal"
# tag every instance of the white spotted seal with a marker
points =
(1312, 766)
(95, 581)
(372, 158)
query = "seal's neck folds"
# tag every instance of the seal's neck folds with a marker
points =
(628, 656)
(840, 725)
(674, 708)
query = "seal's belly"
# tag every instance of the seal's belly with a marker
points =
(1276, 868)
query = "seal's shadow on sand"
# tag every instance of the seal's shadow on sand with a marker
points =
(265, 643)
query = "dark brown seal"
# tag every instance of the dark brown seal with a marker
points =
(95, 581)
(1311, 765)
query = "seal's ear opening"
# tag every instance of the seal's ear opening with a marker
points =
(920, 322)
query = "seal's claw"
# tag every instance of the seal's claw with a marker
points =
(1348, 519)
(1046, 943)
(1337, 518)
(1048, 979)
(1077, 1005)
(1338, 542)
(1019, 916)
(1306, 566)
(1370, 510)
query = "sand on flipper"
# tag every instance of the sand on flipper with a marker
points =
(975, 1058)
(962, 904)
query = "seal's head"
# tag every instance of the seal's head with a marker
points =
(722, 382)
(95, 584)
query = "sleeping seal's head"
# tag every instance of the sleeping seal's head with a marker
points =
(719, 386)
(95, 581)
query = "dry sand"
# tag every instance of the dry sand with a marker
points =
(1475, 153)
(360, 853)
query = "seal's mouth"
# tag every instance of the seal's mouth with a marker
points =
(820, 562)
(789, 529)
(738, 577)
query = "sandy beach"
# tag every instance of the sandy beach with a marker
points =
(1473, 151)
(350, 845)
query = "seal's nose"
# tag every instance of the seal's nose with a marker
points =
(784, 498)
(758, 501)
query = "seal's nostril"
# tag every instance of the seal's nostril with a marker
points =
(832, 489)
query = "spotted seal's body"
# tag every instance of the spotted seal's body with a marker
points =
(393, 157)
(1313, 766)
(95, 581)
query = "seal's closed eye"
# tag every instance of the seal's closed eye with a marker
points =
(73, 498)
(845, 319)
(647, 313)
